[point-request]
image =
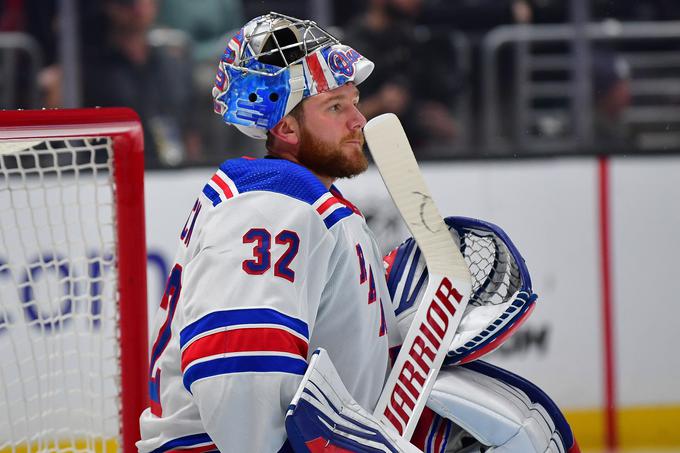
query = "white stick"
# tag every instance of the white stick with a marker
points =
(449, 282)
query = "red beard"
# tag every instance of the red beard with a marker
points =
(326, 159)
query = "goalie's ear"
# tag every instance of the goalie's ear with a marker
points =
(501, 299)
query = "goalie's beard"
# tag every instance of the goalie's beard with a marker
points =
(342, 160)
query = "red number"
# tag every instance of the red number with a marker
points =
(262, 261)
(371, 286)
(372, 294)
(168, 303)
(262, 252)
(282, 267)
(189, 227)
(362, 265)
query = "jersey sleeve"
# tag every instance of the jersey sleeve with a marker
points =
(246, 316)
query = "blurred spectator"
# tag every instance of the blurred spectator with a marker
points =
(11, 15)
(128, 71)
(476, 17)
(41, 21)
(207, 22)
(15, 87)
(612, 96)
(414, 76)
(636, 10)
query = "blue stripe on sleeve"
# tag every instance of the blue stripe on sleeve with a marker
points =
(226, 318)
(337, 216)
(154, 391)
(212, 195)
(243, 364)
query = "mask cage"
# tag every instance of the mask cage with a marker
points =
(287, 41)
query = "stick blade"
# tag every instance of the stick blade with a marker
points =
(394, 158)
(449, 283)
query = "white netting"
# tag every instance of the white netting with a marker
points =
(495, 273)
(59, 382)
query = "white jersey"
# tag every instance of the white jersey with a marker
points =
(271, 265)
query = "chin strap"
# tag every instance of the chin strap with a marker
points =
(297, 87)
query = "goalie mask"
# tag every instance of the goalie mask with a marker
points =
(273, 63)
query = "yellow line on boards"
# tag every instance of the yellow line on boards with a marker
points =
(64, 445)
(640, 426)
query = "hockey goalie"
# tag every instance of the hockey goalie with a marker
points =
(277, 327)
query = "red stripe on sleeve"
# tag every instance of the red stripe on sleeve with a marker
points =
(317, 73)
(156, 408)
(345, 201)
(245, 340)
(223, 185)
(326, 204)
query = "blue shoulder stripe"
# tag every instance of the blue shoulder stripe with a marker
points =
(337, 216)
(212, 195)
(225, 318)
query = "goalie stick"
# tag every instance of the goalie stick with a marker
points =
(449, 285)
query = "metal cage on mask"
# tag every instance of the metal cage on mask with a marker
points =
(273, 63)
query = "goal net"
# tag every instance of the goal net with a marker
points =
(73, 306)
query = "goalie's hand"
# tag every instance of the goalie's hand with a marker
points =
(323, 416)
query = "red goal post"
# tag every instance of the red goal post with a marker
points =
(91, 161)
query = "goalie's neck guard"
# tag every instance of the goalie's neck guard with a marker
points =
(273, 63)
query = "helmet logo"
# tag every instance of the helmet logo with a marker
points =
(343, 62)
(233, 48)
(221, 79)
(229, 55)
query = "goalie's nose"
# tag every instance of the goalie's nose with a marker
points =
(357, 119)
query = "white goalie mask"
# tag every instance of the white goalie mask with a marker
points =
(273, 63)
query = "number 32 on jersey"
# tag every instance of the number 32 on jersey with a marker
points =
(261, 260)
